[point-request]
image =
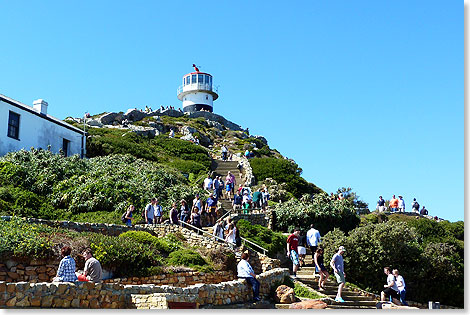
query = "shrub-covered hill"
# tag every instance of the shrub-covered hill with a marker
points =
(40, 184)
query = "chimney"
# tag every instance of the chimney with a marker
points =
(40, 106)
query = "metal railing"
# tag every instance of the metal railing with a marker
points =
(197, 86)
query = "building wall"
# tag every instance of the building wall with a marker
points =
(35, 131)
(197, 98)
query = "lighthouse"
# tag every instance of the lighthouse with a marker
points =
(197, 92)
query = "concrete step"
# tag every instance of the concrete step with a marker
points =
(350, 307)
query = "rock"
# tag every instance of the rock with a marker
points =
(47, 301)
(13, 275)
(94, 123)
(309, 304)
(11, 302)
(110, 118)
(144, 131)
(133, 115)
(284, 294)
(215, 125)
(75, 303)
(263, 139)
(36, 301)
(10, 263)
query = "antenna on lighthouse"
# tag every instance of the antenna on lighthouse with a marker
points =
(195, 68)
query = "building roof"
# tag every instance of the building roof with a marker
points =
(31, 110)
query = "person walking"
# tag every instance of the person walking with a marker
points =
(320, 268)
(301, 248)
(313, 238)
(158, 214)
(245, 271)
(128, 215)
(401, 204)
(208, 183)
(337, 263)
(401, 286)
(391, 289)
(92, 270)
(292, 250)
(185, 213)
(224, 152)
(211, 206)
(381, 204)
(149, 212)
(196, 218)
(174, 214)
(415, 206)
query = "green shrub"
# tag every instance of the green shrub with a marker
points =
(324, 213)
(274, 242)
(283, 171)
(167, 244)
(186, 257)
(304, 292)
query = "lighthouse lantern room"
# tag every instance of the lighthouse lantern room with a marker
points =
(197, 92)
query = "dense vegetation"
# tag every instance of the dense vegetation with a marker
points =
(283, 171)
(428, 254)
(320, 210)
(274, 242)
(133, 253)
(40, 184)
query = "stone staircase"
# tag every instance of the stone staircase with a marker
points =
(221, 169)
(353, 299)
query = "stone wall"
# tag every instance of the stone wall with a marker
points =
(248, 177)
(107, 295)
(179, 279)
(31, 271)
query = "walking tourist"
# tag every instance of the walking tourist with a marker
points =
(401, 286)
(245, 271)
(208, 183)
(224, 152)
(381, 204)
(231, 234)
(237, 201)
(391, 289)
(257, 198)
(393, 204)
(292, 250)
(265, 198)
(128, 215)
(174, 214)
(320, 268)
(158, 215)
(401, 204)
(66, 270)
(246, 200)
(185, 213)
(313, 238)
(197, 203)
(149, 212)
(211, 207)
(92, 270)
(301, 248)
(415, 206)
(196, 218)
(233, 181)
(215, 187)
(337, 263)
(219, 229)
(228, 191)
(221, 187)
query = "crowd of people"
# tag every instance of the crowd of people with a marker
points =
(398, 205)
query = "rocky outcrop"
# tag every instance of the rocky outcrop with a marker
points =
(263, 139)
(284, 294)
(309, 304)
(217, 118)
(144, 131)
(189, 134)
(134, 114)
(110, 118)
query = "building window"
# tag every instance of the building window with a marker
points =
(14, 125)
(193, 79)
(207, 97)
(184, 81)
(188, 80)
(200, 78)
(65, 146)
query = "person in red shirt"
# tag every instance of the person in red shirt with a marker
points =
(292, 251)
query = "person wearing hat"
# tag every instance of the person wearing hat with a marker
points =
(337, 264)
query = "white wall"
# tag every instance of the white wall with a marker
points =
(197, 98)
(35, 132)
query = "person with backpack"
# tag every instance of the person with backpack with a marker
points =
(149, 212)
(158, 212)
(415, 206)
(127, 216)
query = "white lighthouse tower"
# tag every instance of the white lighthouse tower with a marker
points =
(197, 92)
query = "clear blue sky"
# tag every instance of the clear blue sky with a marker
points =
(366, 94)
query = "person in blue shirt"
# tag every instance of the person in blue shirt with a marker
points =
(66, 270)
(245, 271)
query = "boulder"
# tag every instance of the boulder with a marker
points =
(215, 125)
(94, 123)
(284, 294)
(309, 304)
(263, 139)
(110, 118)
(144, 131)
(134, 114)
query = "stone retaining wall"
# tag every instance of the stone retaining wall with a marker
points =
(107, 295)
(179, 279)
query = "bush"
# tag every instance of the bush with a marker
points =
(167, 244)
(283, 171)
(304, 292)
(324, 213)
(274, 242)
(186, 257)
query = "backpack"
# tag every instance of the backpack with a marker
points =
(123, 217)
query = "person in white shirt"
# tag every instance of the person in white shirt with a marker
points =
(158, 214)
(313, 238)
(401, 204)
(391, 289)
(150, 212)
(401, 286)
(208, 183)
(246, 272)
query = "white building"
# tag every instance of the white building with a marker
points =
(197, 92)
(24, 127)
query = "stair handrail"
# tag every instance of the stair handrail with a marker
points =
(201, 230)
(227, 213)
(264, 250)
